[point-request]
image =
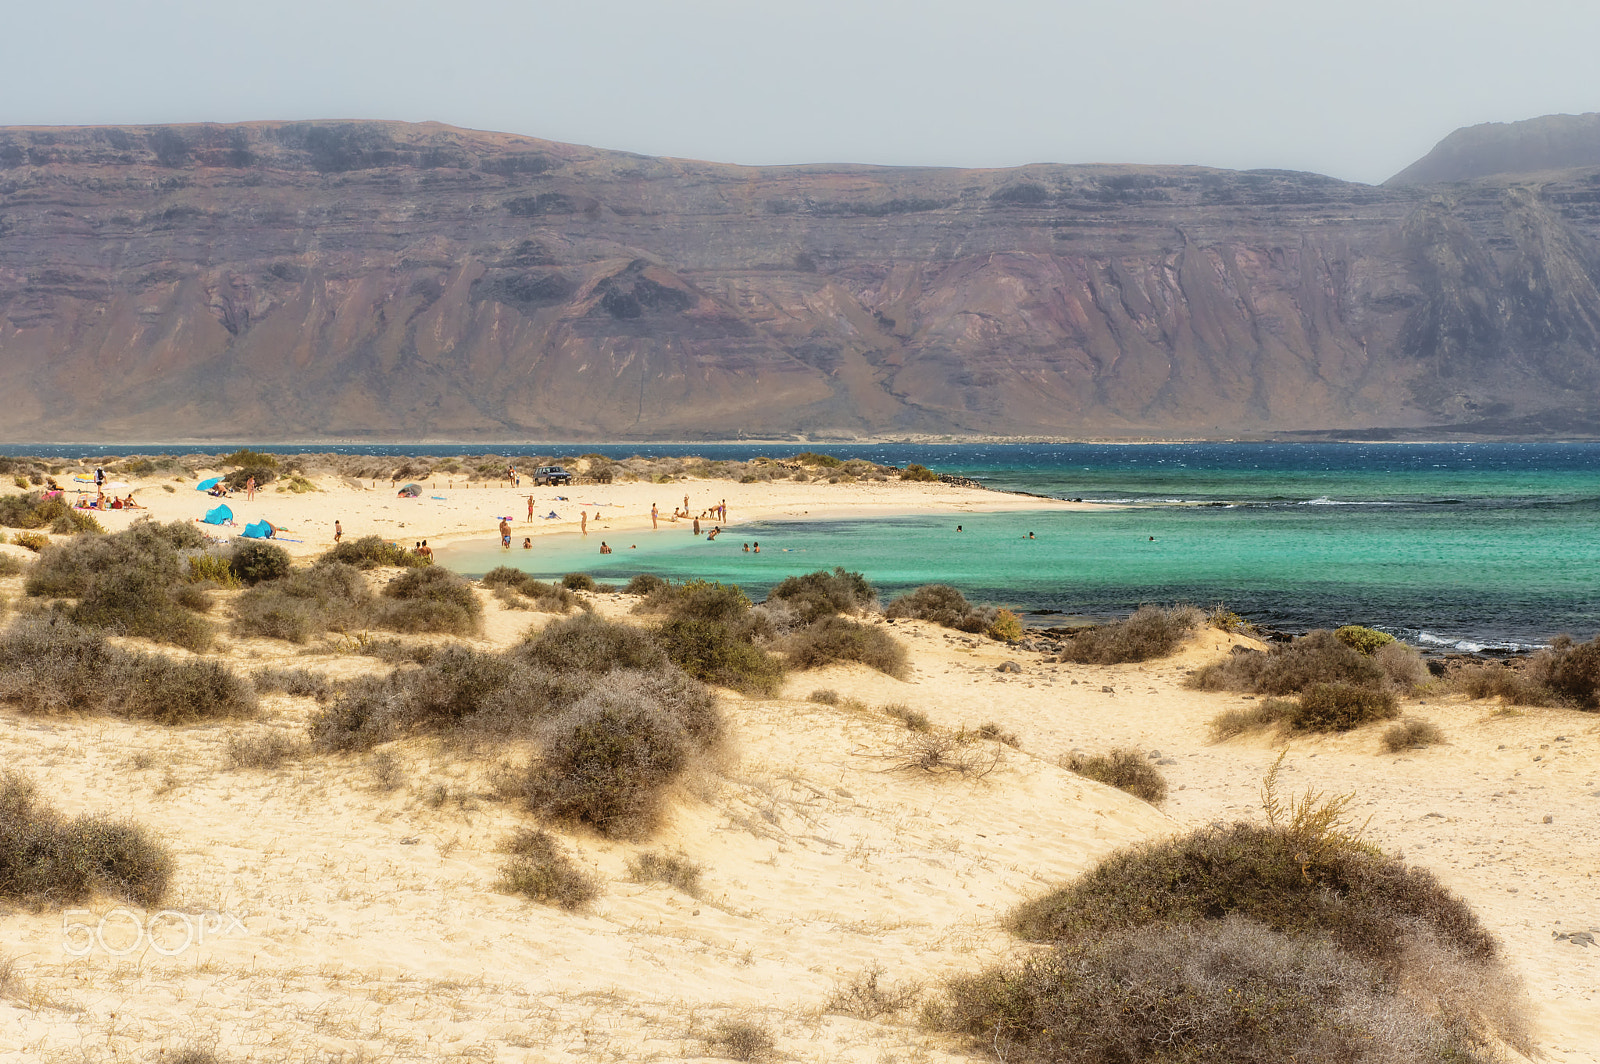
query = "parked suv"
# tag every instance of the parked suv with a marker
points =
(551, 474)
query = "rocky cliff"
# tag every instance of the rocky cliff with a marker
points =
(315, 280)
(1550, 142)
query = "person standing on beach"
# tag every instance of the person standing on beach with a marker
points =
(530, 508)
(250, 489)
(505, 534)
(723, 512)
(686, 506)
(583, 523)
(338, 532)
(654, 513)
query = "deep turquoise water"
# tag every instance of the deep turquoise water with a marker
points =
(1448, 544)
(1472, 544)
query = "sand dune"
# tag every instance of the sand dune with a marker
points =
(368, 927)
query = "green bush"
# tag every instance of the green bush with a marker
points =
(305, 604)
(1264, 714)
(253, 561)
(1341, 706)
(1149, 632)
(1006, 627)
(10, 566)
(540, 870)
(711, 651)
(943, 605)
(699, 600)
(45, 857)
(239, 479)
(140, 603)
(918, 473)
(823, 594)
(210, 569)
(33, 511)
(521, 591)
(1518, 687)
(823, 461)
(371, 552)
(180, 691)
(579, 582)
(1366, 640)
(1123, 768)
(835, 638)
(645, 584)
(34, 541)
(248, 459)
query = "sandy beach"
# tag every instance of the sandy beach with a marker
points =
(346, 909)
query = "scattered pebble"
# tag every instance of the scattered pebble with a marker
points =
(1008, 666)
(1548, 819)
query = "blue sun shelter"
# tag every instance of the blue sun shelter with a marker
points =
(221, 515)
(208, 484)
(259, 530)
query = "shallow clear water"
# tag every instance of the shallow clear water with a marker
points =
(1465, 545)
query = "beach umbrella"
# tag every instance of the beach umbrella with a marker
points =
(117, 485)
(208, 484)
(411, 490)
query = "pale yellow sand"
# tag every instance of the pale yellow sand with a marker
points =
(368, 925)
(306, 520)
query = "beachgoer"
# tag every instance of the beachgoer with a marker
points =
(1152, 539)
(99, 477)
(338, 531)
(130, 504)
(1030, 535)
(713, 533)
(603, 548)
(505, 534)
(530, 507)
(654, 514)
(724, 514)
(250, 489)
(686, 506)
(426, 551)
(747, 548)
(116, 503)
(958, 528)
(100, 501)
(527, 544)
(757, 548)
(583, 523)
(697, 526)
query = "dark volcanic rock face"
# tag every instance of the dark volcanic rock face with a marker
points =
(1551, 142)
(379, 280)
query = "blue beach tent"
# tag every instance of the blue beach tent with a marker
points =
(208, 484)
(219, 516)
(257, 530)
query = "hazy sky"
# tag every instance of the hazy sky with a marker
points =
(1354, 88)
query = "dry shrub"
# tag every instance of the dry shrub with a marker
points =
(1123, 768)
(305, 604)
(1006, 627)
(48, 664)
(645, 584)
(34, 541)
(1269, 712)
(673, 869)
(1222, 990)
(541, 870)
(1149, 632)
(212, 569)
(1341, 706)
(824, 594)
(10, 565)
(269, 750)
(1292, 940)
(1318, 657)
(944, 606)
(1410, 734)
(1571, 670)
(579, 582)
(712, 651)
(609, 759)
(47, 857)
(835, 638)
(868, 996)
(302, 683)
(429, 599)
(520, 591)
(826, 696)
(1517, 687)
(700, 600)
(591, 644)
(253, 561)
(994, 733)
(914, 719)
(741, 1040)
(943, 753)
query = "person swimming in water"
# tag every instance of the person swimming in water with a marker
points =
(604, 549)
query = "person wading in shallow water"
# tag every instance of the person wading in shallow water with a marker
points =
(505, 534)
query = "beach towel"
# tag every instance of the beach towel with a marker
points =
(258, 530)
(208, 484)
(221, 515)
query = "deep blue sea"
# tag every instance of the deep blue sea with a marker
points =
(1470, 545)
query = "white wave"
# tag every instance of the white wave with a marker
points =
(1468, 646)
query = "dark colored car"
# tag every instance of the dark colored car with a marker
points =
(551, 474)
